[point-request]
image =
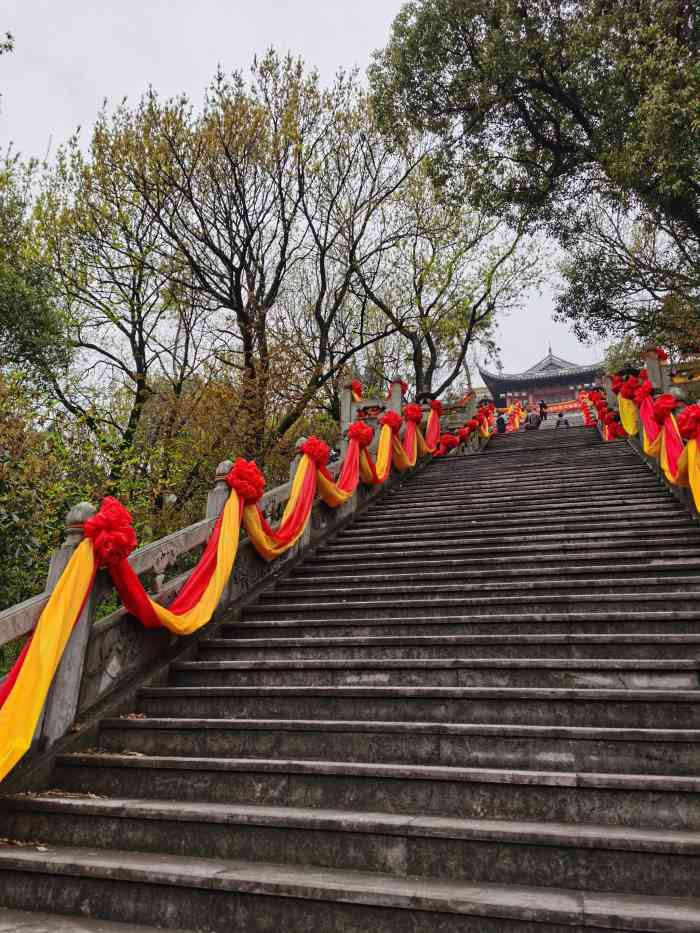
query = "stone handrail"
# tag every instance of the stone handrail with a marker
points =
(105, 652)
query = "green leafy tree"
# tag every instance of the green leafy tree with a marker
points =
(32, 329)
(542, 103)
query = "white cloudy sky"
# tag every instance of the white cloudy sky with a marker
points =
(72, 54)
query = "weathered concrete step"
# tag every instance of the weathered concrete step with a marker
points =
(582, 622)
(472, 745)
(244, 896)
(583, 512)
(645, 645)
(25, 921)
(651, 801)
(360, 607)
(597, 481)
(596, 564)
(567, 551)
(465, 518)
(544, 706)
(477, 503)
(502, 541)
(587, 857)
(465, 526)
(681, 578)
(446, 672)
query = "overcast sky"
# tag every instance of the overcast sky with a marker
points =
(72, 54)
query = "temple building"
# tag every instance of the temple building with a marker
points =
(552, 379)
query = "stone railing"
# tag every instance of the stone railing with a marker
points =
(108, 651)
(660, 377)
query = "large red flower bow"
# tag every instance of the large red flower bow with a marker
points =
(111, 532)
(247, 480)
(393, 419)
(361, 432)
(316, 450)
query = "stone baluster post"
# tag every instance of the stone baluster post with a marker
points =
(216, 500)
(395, 402)
(61, 705)
(346, 412)
(659, 374)
(610, 396)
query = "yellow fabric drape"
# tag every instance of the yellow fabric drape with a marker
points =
(628, 415)
(693, 468)
(227, 547)
(265, 545)
(21, 710)
(382, 463)
(423, 448)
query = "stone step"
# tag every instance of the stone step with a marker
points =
(359, 607)
(679, 578)
(543, 706)
(663, 507)
(543, 854)
(246, 896)
(445, 672)
(25, 921)
(598, 482)
(503, 541)
(582, 622)
(644, 646)
(687, 562)
(572, 550)
(472, 745)
(649, 801)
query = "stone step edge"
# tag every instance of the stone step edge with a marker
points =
(517, 832)
(370, 641)
(596, 694)
(361, 585)
(654, 564)
(512, 902)
(506, 730)
(24, 921)
(574, 664)
(619, 615)
(375, 770)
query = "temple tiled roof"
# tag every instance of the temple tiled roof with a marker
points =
(550, 366)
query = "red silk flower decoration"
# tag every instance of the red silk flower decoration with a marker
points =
(361, 432)
(247, 480)
(111, 532)
(449, 441)
(472, 424)
(316, 450)
(644, 391)
(393, 420)
(436, 405)
(616, 383)
(464, 433)
(629, 387)
(689, 422)
(356, 387)
(663, 406)
(413, 412)
(661, 354)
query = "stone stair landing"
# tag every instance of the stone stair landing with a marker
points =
(475, 710)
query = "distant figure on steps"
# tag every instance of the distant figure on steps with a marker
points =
(501, 424)
(543, 410)
(532, 422)
(562, 422)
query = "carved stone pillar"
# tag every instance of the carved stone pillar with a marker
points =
(62, 700)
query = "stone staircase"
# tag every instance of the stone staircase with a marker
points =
(475, 710)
